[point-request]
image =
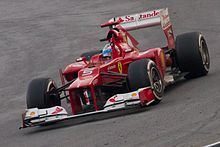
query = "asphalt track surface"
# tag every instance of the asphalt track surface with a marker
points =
(37, 37)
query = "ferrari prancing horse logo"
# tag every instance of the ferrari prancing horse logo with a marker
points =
(120, 67)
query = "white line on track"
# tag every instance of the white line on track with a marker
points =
(216, 144)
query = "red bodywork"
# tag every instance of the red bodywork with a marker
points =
(98, 72)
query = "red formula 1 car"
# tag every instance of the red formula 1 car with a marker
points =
(119, 76)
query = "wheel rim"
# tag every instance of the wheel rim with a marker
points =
(156, 80)
(204, 54)
(51, 96)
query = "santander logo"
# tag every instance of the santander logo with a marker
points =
(141, 16)
(58, 110)
(148, 15)
(112, 100)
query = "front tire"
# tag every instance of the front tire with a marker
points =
(41, 94)
(144, 73)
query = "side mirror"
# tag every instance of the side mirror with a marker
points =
(81, 59)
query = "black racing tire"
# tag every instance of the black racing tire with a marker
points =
(192, 54)
(89, 54)
(144, 73)
(41, 94)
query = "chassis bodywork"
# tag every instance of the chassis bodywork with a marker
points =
(97, 80)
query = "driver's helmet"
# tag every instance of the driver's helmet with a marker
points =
(107, 52)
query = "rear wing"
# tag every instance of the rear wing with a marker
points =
(147, 19)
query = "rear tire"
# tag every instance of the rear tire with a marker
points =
(144, 73)
(192, 54)
(41, 94)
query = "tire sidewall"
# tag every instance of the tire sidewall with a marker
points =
(150, 67)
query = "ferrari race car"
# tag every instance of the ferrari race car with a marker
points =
(120, 76)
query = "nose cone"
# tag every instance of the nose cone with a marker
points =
(86, 78)
(74, 67)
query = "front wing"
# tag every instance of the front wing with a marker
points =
(114, 106)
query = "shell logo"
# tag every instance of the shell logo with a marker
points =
(32, 113)
(134, 94)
